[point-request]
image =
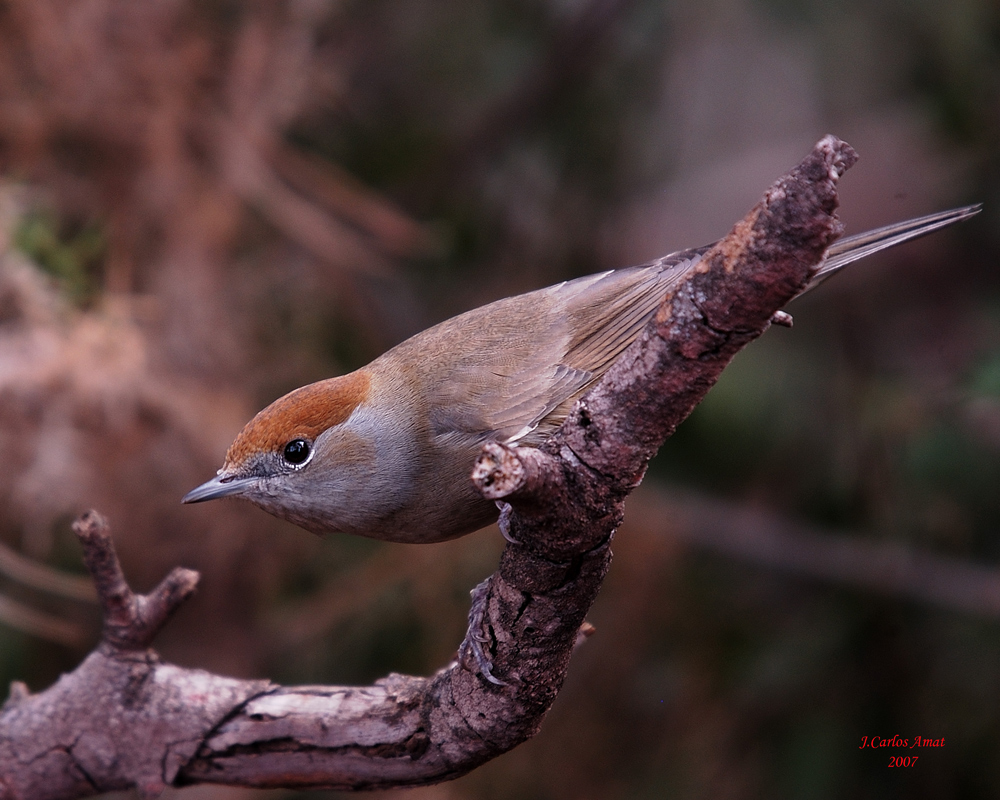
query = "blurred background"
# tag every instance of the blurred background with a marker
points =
(206, 204)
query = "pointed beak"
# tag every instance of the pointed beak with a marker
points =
(219, 486)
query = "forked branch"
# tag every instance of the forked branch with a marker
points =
(123, 718)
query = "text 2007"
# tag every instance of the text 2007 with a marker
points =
(903, 761)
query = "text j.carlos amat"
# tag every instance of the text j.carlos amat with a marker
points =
(898, 741)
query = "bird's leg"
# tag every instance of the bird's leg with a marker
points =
(476, 638)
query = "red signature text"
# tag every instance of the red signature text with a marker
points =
(897, 741)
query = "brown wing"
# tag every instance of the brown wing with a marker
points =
(527, 359)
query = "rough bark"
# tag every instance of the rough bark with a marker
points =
(123, 718)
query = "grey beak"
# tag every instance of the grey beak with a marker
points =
(219, 486)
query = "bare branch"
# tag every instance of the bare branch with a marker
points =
(131, 621)
(122, 719)
(39, 623)
(352, 201)
(45, 578)
(173, 726)
(885, 567)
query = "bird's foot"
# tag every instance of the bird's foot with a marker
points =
(476, 638)
(504, 521)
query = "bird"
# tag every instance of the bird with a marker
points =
(387, 451)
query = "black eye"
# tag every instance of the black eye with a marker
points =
(296, 451)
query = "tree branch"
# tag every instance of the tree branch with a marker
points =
(123, 718)
(131, 621)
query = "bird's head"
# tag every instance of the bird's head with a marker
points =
(304, 452)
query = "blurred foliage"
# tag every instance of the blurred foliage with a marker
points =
(72, 256)
(526, 139)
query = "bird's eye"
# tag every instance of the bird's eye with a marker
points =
(296, 451)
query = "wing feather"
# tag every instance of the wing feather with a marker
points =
(535, 354)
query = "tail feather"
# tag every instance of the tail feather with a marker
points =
(849, 250)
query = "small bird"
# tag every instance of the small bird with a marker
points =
(387, 451)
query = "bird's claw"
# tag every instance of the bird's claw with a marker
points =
(476, 638)
(504, 521)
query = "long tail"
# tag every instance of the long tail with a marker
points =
(846, 251)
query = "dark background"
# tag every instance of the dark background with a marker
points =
(206, 204)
